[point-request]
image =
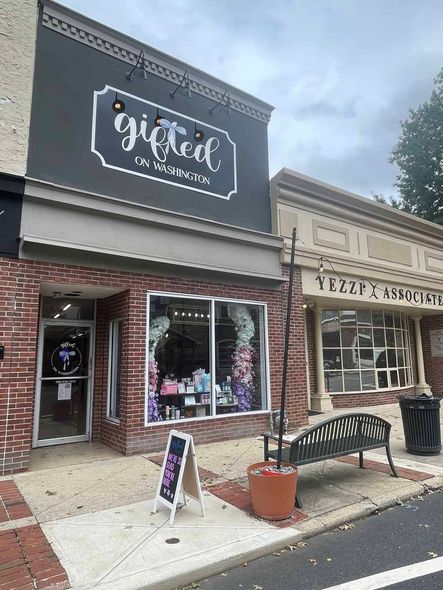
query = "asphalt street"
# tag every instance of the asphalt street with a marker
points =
(350, 559)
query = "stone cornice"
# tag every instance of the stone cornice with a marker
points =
(84, 30)
(293, 188)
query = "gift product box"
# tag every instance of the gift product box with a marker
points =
(197, 375)
(206, 381)
(169, 389)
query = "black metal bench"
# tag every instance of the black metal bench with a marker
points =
(335, 437)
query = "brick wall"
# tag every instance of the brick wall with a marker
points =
(20, 283)
(369, 399)
(18, 333)
(297, 395)
(107, 431)
(433, 366)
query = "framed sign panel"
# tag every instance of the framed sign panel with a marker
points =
(179, 474)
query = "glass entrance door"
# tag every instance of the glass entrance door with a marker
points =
(63, 388)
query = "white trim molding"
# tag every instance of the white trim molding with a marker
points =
(264, 343)
(79, 28)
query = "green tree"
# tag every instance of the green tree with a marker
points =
(419, 155)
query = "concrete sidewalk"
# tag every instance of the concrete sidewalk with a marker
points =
(94, 507)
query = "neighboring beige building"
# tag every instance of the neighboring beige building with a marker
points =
(17, 53)
(371, 277)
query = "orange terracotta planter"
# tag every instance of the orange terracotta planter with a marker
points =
(273, 498)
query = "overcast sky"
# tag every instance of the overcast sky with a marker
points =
(341, 74)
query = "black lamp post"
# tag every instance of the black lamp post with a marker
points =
(286, 349)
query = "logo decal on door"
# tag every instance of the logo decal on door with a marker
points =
(66, 359)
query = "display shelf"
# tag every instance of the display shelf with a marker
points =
(180, 394)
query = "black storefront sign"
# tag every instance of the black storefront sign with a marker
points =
(149, 140)
(171, 470)
(179, 474)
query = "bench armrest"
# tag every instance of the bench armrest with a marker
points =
(266, 436)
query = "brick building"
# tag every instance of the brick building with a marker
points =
(144, 290)
(143, 265)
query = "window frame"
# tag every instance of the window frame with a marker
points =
(212, 356)
(408, 366)
(112, 355)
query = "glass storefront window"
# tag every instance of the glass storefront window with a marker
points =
(330, 328)
(65, 308)
(367, 380)
(205, 358)
(364, 317)
(334, 381)
(179, 360)
(239, 358)
(114, 368)
(365, 350)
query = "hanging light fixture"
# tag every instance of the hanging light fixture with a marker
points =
(198, 133)
(118, 105)
(139, 68)
(157, 119)
(183, 87)
(223, 104)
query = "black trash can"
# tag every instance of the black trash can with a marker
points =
(421, 424)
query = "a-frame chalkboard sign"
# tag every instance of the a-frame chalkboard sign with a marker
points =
(179, 474)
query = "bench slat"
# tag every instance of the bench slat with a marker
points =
(342, 435)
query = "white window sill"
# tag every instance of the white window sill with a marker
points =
(386, 390)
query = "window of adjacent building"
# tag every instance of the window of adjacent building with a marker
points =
(365, 350)
(114, 368)
(206, 357)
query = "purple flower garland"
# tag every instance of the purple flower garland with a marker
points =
(153, 409)
(243, 357)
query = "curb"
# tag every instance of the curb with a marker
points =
(353, 512)
(222, 565)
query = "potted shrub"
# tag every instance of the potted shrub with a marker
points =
(272, 489)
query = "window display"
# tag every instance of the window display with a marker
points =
(365, 350)
(205, 358)
(239, 345)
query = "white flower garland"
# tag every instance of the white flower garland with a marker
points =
(157, 328)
